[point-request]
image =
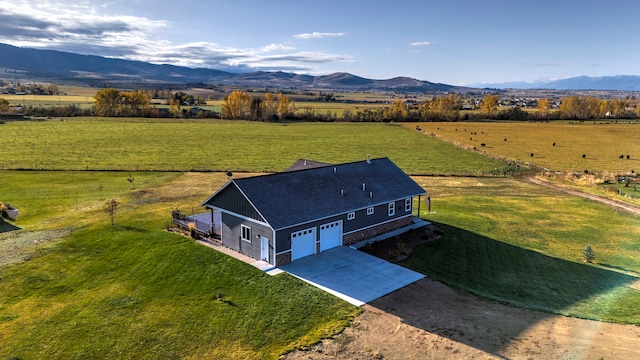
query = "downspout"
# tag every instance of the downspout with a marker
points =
(274, 247)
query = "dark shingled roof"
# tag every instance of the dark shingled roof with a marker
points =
(302, 164)
(290, 198)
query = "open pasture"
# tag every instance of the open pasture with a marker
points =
(48, 100)
(157, 144)
(602, 144)
(522, 244)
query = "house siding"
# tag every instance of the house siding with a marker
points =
(380, 215)
(232, 232)
(361, 221)
(232, 199)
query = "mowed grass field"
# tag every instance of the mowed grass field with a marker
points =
(601, 143)
(134, 290)
(156, 144)
(522, 244)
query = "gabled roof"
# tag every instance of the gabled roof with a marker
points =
(296, 197)
(302, 164)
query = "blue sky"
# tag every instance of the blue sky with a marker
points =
(455, 42)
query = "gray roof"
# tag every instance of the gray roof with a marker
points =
(296, 197)
(302, 164)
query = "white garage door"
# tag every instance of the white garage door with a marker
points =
(303, 243)
(330, 235)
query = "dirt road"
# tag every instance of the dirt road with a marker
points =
(428, 320)
(616, 204)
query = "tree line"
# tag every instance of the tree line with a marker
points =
(271, 107)
(240, 105)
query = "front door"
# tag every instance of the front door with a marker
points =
(264, 248)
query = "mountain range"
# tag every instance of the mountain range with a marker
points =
(65, 67)
(604, 83)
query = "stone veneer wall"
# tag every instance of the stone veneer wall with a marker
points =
(283, 259)
(365, 234)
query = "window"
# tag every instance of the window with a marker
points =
(392, 209)
(246, 233)
(407, 204)
(351, 215)
(370, 211)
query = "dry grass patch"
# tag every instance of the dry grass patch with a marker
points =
(601, 143)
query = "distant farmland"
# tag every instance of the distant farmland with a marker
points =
(602, 143)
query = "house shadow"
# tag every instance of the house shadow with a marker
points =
(500, 274)
(7, 227)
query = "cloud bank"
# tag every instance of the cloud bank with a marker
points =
(82, 28)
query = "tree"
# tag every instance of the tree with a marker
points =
(490, 104)
(236, 106)
(588, 254)
(397, 112)
(174, 107)
(256, 109)
(269, 106)
(442, 108)
(286, 106)
(573, 107)
(110, 207)
(135, 102)
(4, 104)
(107, 102)
(544, 106)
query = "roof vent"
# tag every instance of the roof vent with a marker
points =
(364, 188)
(370, 194)
(342, 192)
(305, 163)
(368, 159)
(335, 170)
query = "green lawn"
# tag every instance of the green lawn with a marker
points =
(156, 144)
(134, 290)
(522, 244)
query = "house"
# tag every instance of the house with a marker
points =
(281, 217)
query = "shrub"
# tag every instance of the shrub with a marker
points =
(192, 229)
(588, 254)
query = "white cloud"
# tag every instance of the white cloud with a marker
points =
(277, 47)
(421, 43)
(318, 35)
(84, 28)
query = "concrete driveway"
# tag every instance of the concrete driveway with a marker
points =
(352, 275)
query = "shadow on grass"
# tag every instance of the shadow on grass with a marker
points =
(7, 227)
(506, 274)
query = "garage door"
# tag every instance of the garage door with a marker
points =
(303, 243)
(330, 235)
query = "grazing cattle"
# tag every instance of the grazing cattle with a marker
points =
(584, 156)
(531, 154)
(505, 139)
(474, 148)
(483, 144)
(628, 157)
(554, 144)
(470, 138)
(621, 157)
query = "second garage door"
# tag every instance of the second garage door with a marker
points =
(330, 235)
(303, 243)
